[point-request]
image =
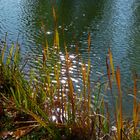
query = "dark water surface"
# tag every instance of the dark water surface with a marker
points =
(112, 23)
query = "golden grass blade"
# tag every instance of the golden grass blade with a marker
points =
(54, 15)
(56, 34)
(120, 117)
(56, 39)
(118, 79)
(108, 74)
(111, 63)
(89, 88)
(71, 89)
(84, 74)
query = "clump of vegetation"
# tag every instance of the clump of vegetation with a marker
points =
(38, 108)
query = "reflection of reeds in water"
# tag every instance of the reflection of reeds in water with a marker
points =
(53, 101)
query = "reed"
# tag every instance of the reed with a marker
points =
(119, 108)
(57, 107)
(136, 106)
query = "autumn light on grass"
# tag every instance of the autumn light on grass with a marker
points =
(36, 107)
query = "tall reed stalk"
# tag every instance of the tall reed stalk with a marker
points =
(57, 106)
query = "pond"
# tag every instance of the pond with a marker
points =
(112, 23)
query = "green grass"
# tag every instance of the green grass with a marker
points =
(37, 108)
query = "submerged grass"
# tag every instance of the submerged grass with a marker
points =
(43, 104)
